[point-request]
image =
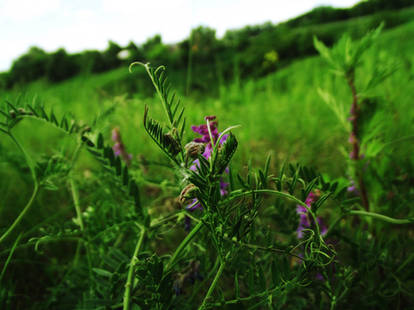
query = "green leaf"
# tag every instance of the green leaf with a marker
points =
(166, 142)
(226, 153)
(43, 113)
(32, 110)
(64, 123)
(87, 141)
(292, 185)
(321, 200)
(310, 187)
(100, 142)
(53, 118)
(102, 272)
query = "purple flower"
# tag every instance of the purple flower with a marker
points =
(304, 219)
(205, 136)
(352, 189)
(206, 139)
(194, 205)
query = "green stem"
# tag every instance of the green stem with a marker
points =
(333, 303)
(9, 257)
(159, 222)
(270, 249)
(240, 299)
(21, 215)
(383, 217)
(133, 262)
(34, 193)
(26, 156)
(184, 243)
(214, 283)
(75, 196)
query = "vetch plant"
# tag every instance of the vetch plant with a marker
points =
(250, 239)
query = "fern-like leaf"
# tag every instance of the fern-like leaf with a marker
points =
(14, 114)
(112, 164)
(166, 142)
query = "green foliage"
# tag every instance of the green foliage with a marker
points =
(345, 56)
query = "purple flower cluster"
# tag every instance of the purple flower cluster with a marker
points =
(205, 136)
(119, 147)
(206, 139)
(305, 221)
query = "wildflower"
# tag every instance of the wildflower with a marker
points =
(204, 146)
(205, 139)
(119, 147)
(352, 189)
(304, 220)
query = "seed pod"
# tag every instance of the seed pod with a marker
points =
(12, 113)
(21, 111)
(189, 192)
(193, 149)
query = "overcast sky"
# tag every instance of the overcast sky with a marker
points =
(77, 25)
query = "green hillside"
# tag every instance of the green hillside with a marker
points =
(256, 104)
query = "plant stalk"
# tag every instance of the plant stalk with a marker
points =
(184, 243)
(34, 193)
(355, 153)
(214, 283)
(383, 217)
(133, 262)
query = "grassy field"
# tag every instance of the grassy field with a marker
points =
(282, 114)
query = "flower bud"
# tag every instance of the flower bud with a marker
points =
(189, 192)
(193, 149)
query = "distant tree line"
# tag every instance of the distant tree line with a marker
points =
(327, 14)
(252, 50)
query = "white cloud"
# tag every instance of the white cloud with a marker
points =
(26, 10)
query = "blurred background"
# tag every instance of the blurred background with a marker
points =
(57, 39)
(250, 62)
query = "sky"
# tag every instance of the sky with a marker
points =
(77, 25)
